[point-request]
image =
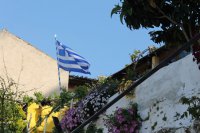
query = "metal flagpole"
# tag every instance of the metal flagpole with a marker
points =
(67, 87)
(58, 64)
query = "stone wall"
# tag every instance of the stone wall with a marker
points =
(158, 98)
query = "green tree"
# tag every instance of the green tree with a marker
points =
(173, 21)
(12, 117)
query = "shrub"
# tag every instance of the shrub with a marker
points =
(123, 120)
(93, 129)
(71, 120)
(12, 117)
(91, 104)
(81, 91)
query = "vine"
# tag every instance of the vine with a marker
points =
(123, 120)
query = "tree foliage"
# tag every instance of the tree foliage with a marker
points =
(12, 117)
(176, 20)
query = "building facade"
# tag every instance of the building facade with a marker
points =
(31, 69)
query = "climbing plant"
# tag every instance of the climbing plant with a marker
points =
(123, 120)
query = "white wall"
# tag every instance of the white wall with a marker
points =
(38, 70)
(160, 95)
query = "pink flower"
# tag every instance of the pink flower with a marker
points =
(123, 120)
(119, 111)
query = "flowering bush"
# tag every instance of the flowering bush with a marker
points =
(123, 120)
(71, 120)
(91, 104)
(85, 108)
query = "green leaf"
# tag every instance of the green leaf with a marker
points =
(130, 11)
(121, 17)
(116, 9)
(39, 97)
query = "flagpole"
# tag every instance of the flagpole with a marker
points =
(59, 82)
(67, 87)
(69, 61)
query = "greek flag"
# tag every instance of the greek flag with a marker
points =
(70, 60)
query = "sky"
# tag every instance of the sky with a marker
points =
(85, 26)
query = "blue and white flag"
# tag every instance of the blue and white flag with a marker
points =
(70, 60)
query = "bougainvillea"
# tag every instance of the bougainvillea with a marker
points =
(196, 54)
(123, 120)
(85, 108)
(70, 120)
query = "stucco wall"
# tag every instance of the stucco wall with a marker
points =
(38, 70)
(159, 96)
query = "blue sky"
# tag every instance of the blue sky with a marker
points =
(85, 26)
